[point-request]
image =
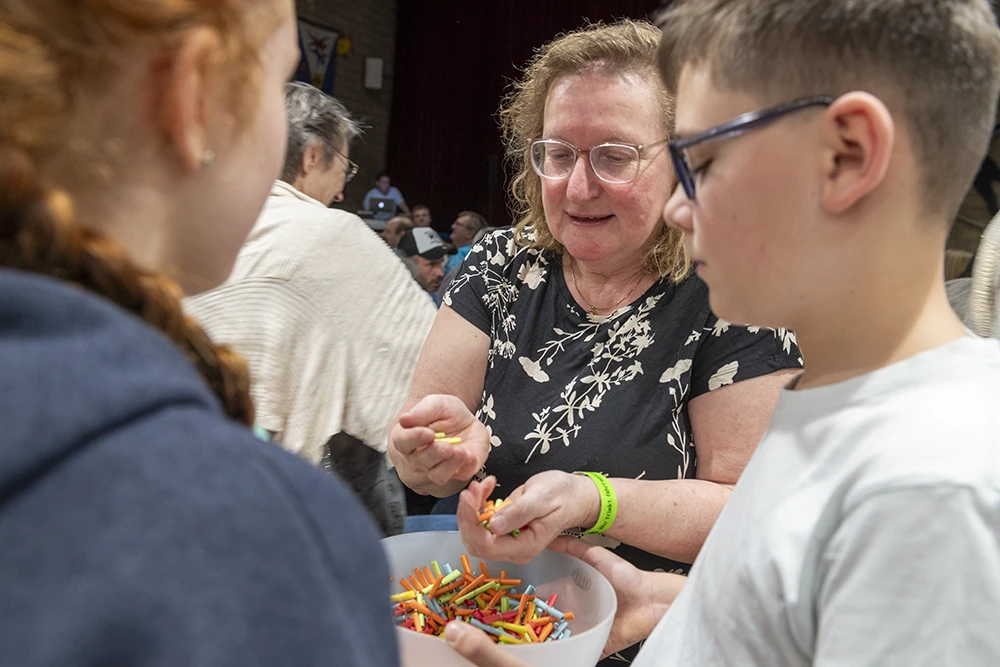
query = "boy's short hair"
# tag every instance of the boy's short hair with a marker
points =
(934, 63)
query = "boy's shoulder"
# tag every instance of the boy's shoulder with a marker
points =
(937, 424)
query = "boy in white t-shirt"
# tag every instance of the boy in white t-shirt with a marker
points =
(823, 149)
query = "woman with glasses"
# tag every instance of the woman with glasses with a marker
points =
(336, 323)
(578, 341)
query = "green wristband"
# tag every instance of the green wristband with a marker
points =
(609, 503)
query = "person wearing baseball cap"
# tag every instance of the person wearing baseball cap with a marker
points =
(425, 252)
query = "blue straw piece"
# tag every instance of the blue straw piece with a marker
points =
(551, 611)
(488, 628)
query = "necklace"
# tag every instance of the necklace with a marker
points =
(592, 309)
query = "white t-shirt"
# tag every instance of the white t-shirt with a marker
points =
(864, 532)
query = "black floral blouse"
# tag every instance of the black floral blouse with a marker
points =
(569, 391)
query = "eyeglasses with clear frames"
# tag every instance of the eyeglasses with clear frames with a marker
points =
(352, 167)
(611, 162)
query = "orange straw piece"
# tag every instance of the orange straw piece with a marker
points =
(464, 612)
(531, 633)
(494, 599)
(420, 578)
(474, 584)
(482, 568)
(416, 606)
(450, 587)
(405, 584)
(437, 584)
(465, 564)
(520, 609)
(416, 583)
(546, 631)
(510, 582)
(485, 516)
(428, 575)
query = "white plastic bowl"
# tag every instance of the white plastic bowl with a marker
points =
(581, 590)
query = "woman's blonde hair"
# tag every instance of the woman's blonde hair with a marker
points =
(56, 58)
(624, 47)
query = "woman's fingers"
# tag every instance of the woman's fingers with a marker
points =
(439, 412)
(407, 440)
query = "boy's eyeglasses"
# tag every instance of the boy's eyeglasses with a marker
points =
(738, 125)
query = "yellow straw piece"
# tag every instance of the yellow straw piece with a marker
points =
(402, 597)
(507, 639)
(519, 629)
(440, 435)
(450, 441)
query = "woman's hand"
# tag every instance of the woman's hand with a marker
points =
(542, 508)
(643, 599)
(423, 463)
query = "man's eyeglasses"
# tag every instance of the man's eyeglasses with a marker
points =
(739, 125)
(612, 163)
(352, 167)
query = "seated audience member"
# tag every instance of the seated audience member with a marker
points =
(453, 272)
(394, 230)
(463, 231)
(385, 200)
(421, 216)
(328, 320)
(141, 521)
(424, 252)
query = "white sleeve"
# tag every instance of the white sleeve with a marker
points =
(912, 578)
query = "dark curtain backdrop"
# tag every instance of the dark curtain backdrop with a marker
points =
(454, 61)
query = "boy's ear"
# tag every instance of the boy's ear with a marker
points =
(858, 140)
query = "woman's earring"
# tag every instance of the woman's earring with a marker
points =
(208, 159)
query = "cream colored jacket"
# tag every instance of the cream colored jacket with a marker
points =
(329, 320)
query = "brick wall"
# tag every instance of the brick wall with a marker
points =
(371, 27)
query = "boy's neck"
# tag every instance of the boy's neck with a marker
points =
(888, 315)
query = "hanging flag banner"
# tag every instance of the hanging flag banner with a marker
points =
(319, 55)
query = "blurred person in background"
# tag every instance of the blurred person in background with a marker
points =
(385, 200)
(421, 216)
(424, 253)
(465, 228)
(394, 230)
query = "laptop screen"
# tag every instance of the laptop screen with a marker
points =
(382, 204)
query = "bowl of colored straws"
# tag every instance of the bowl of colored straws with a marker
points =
(556, 610)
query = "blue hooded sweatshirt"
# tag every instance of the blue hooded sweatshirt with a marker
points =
(139, 526)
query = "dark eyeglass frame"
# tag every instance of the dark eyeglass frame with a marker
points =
(352, 167)
(639, 149)
(738, 125)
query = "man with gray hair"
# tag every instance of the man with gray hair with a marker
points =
(327, 317)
